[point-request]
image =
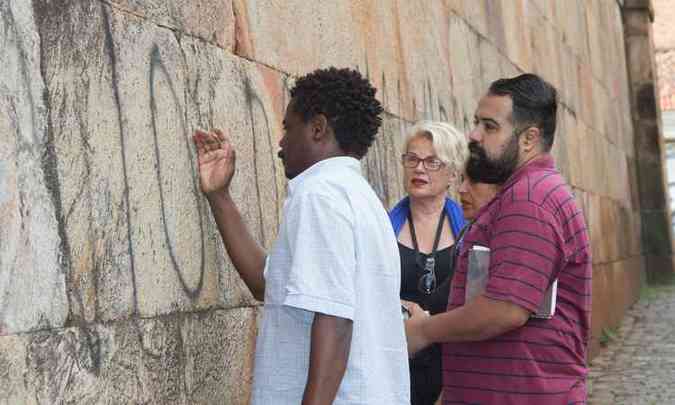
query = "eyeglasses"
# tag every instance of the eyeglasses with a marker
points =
(411, 161)
(427, 283)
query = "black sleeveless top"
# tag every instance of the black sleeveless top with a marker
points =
(425, 367)
(411, 272)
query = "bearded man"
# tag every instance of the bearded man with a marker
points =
(495, 351)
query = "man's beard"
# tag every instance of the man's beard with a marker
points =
(481, 169)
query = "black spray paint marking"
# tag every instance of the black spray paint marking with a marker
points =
(157, 66)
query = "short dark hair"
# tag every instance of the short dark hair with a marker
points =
(347, 100)
(535, 103)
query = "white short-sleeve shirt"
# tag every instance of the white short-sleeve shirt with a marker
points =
(336, 254)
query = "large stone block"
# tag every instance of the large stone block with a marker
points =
(365, 35)
(126, 96)
(181, 359)
(33, 254)
(382, 165)
(276, 39)
(413, 68)
(211, 20)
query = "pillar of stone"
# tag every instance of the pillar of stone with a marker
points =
(657, 235)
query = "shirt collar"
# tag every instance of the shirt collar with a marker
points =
(324, 165)
(542, 162)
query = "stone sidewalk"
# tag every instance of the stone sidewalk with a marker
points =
(638, 366)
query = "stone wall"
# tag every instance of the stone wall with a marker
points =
(114, 285)
(664, 46)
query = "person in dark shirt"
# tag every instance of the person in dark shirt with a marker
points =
(427, 223)
(495, 351)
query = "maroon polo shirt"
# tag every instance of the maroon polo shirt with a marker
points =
(536, 233)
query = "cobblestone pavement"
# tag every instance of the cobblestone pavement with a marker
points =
(638, 367)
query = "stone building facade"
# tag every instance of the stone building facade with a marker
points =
(664, 46)
(114, 285)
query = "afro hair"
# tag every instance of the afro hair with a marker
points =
(348, 102)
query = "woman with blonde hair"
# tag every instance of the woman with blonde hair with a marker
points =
(427, 222)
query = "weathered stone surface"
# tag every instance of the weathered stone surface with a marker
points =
(182, 359)
(211, 20)
(664, 32)
(413, 68)
(608, 224)
(32, 257)
(467, 87)
(140, 234)
(516, 34)
(586, 106)
(382, 165)
(597, 37)
(569, 75)
(568, 136)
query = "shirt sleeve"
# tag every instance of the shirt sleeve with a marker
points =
(323, 262)
(526, 253)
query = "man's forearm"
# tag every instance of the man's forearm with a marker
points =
(246, 254)
(329, 353)
(480, 319)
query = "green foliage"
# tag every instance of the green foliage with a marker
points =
(664, 285)
(607, 336)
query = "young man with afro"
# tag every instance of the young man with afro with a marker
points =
(332, 331)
